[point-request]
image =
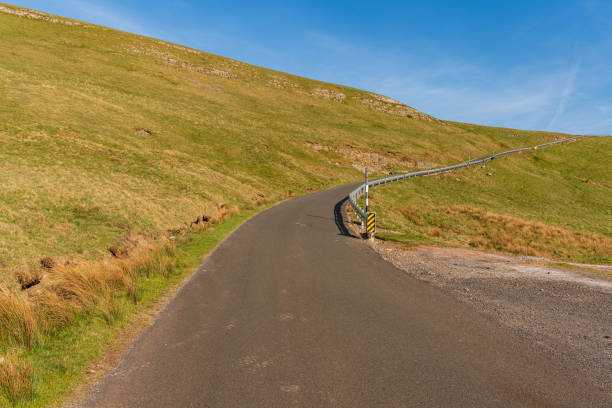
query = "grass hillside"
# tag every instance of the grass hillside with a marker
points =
(555, 202)
(105, 134)
(116, 143)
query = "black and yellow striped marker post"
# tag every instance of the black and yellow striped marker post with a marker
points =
(371, 224)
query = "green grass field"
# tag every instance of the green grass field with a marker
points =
(109, 138)
(555, 202)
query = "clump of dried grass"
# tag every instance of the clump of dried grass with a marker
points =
(258, 200)
(412, 213)
(15, 377)
(53, 311)
(223, 212)
(84, 286)
(17, 318)
(31, 312)
(76, 288)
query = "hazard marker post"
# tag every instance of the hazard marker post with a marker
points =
(371, 224)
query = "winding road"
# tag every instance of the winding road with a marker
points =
(290, 310)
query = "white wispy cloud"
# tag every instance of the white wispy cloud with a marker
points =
(526, 95)
(106, 14)
(568, 90)
(446, 86)
(463, 92)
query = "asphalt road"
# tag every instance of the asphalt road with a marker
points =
(291, 311)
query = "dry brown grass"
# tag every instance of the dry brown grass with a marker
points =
(77, 288)
(71, 288)
(17, 318)
(412, 213)
(15, 377)
(487, 230)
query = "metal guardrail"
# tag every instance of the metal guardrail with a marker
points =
(359, 191)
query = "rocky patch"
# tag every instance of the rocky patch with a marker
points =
(329, 94)
(281, 83)
(171, 59)
(374, 161)
(181, 48)
(391, 106)
(38, 15)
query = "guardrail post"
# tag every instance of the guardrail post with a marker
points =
(366, 189)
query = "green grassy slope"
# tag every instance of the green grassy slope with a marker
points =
(105, 134)
(554, 202)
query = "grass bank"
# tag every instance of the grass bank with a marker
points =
(57, 334)
(555, 202)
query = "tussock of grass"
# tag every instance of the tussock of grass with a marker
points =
(15, 377)
(18, 317)
(70, 290)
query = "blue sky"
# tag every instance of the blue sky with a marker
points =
(543, 65)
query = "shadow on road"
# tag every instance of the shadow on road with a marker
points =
(339, 220)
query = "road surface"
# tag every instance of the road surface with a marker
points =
(290, 310)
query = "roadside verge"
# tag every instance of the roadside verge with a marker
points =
(77, 349)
